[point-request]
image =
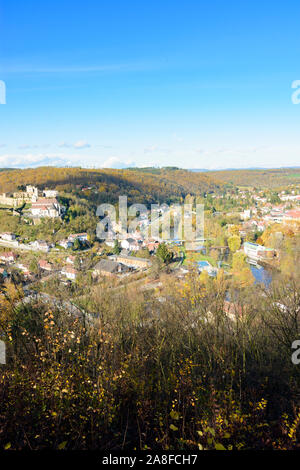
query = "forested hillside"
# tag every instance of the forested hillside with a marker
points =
(140, 185)
(266, 178)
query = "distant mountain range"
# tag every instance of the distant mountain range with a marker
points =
(205, 170)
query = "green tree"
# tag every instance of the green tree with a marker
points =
(116, 248)
(164, 253)
(77, 263)
(275, 199)
(33, 266)
(76, 245)
(234, 243)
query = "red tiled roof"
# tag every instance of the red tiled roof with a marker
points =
(9, 254)
(295, 214)
(68, 269)
(45, 201)
(78, 234)
(44, 264)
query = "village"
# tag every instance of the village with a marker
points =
(76, 255)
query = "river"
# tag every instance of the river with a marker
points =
(261, 275)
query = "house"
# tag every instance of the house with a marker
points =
(246, 215)
(40, 245)
(50, 193)
(45, 265)
(8, 236)
(292, 215)
(69, 272)
(107, 267)
(131, 244)
(22, 267)
(82, 237)
(290, 197)
(110, 242)
(151, 244)
(46, 207)
(66, 244)
(8, 257)
(133, 261)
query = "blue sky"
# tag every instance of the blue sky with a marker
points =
(191, 83)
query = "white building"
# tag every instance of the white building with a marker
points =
(82, 237)
(40, 245)
(258, 252)
(45, 266)
(69, 272)
(130, 244)
(110, 242)
(22, 267)
(32, 191)
(66, 244)
(8, 236)
(290, 197)
(44, 207)
(50, 193)
(246, 214)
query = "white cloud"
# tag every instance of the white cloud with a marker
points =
(246, 157)
(32, 161)
(114, 162)
(81, 144)
(64, 145)
(201, 157)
